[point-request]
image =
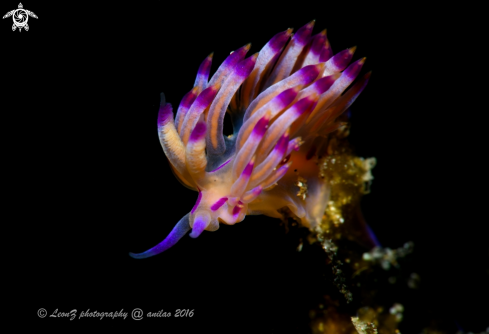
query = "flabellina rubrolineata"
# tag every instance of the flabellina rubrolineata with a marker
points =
(283, 102)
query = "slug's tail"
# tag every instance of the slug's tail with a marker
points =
(180, 229)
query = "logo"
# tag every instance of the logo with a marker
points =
(20, 17)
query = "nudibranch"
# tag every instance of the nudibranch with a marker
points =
(283, 102)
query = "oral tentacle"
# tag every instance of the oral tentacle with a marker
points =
(180, 229)
(201, 221)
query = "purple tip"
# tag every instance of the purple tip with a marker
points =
(325, 83)
(257, 190)
(287, 96)
(341, 59)
(205, 67)
(318, 42)
(220, 202)
(302, 36)
(282, 144)
(326, 55)
(282, 170)
(199, 227)
(199, 132)
(205, 98)
(309, 73)
(326, 52)
(248, 169)
(278, 41)
(353, 70)
(304, 105)
(295, 145)
(292, 145)
(188, 99)
(236, 210)
(260, 127)
(165, 114)
(235, 57)
(244, 68)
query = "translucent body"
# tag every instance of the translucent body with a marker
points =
(283, 102)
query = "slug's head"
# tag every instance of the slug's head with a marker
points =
(283, 102)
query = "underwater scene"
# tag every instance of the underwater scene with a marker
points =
(232, 168)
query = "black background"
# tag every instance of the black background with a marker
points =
(86, 180)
